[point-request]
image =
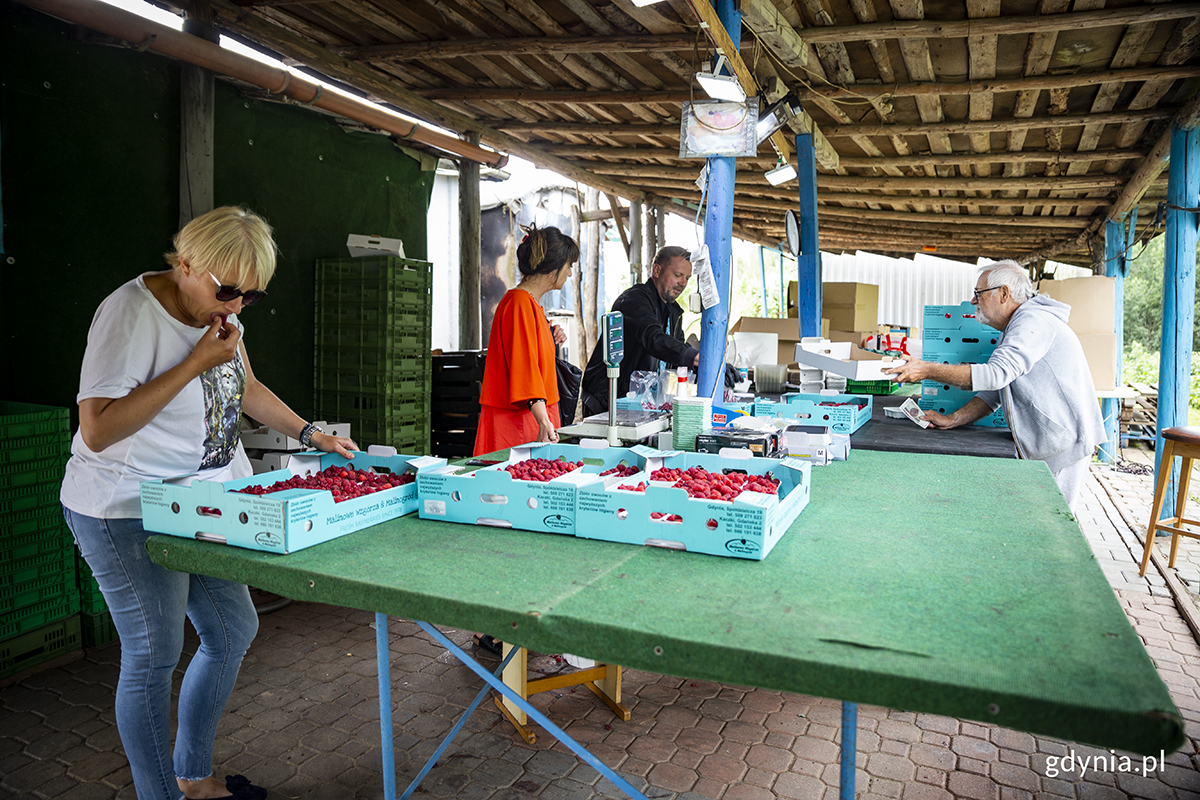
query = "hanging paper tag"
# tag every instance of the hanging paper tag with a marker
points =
(705, 280)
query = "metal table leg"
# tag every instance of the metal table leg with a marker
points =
(538, 717)
(849, 749)
(384, 668)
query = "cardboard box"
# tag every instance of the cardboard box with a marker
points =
(747, 527)
(861, 365)
(1100, 350)
(281, 522)
(841, 413)
(265, 438)
(1092, 301)
(361, 245)
(762, 444)
(788, 331)
(850, 306)
(491, 496)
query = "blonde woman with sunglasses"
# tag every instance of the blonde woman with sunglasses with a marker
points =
(164, 383)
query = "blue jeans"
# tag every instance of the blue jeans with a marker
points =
(148, 604)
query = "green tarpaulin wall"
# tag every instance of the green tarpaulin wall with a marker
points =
(90, 152)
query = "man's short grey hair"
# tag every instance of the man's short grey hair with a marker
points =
(666, 254)
(1011, 274)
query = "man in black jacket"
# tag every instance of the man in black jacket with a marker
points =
(653, 329)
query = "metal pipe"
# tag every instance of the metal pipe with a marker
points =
(185, 47)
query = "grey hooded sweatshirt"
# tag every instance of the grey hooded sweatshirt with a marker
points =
(1039, 374)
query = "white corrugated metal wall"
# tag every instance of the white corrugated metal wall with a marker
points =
(906, 286)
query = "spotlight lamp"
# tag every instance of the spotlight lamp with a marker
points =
(718, 86)
(776, 115)
(782, 173)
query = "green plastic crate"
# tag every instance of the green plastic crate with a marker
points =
(38, 614)
(46, 471)
(26, 498)
(27, 449)
(98, 629)
(49, 541)
(371, 280)
(30, 593)
(27, 419)
(35, 519)
(55, 562)
(91, 599)
(38, 646)
(872, 387)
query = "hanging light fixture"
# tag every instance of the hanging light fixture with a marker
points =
(776, 116)
(643, 3)
(782, 173)
(718, 86)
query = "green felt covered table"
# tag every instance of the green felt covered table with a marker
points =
(952, 585)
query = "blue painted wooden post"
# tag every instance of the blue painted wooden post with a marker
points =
(782, 287)
(808, 280)
(718, 235)
(1179, 292)
(762, 274)
(1114, 267)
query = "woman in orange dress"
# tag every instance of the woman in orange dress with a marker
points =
(520, 383)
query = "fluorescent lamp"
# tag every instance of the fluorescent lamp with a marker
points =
(642, 3)
(721, 87)
(776, 116)
(781, 174)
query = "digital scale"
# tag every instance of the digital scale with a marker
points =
(618, 424)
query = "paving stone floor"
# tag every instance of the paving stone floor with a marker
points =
(304, 718)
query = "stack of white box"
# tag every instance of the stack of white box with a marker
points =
(269, 450)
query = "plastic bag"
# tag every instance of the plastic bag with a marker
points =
(645, 386)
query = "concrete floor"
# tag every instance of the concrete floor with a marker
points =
(303, 720)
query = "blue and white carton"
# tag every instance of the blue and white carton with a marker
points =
(280, 522)
(491, 496)
(747, 527)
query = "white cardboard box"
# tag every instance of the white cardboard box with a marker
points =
(858, 365)
(361, 245)
(265, 438)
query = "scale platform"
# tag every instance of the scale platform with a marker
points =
(631, 425)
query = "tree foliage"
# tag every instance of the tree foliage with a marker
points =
(1144, 298)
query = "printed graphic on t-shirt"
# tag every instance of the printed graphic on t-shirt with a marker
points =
(223, 387)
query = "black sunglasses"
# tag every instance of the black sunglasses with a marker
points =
(227, 293)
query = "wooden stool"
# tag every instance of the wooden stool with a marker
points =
(1185, 443)
(603, 679)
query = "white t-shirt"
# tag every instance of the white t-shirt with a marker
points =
(132, 341)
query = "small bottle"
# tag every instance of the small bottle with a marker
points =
(743, 367)
(681, 382)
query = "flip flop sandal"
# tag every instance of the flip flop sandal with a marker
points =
(493, 646)
(240, 788)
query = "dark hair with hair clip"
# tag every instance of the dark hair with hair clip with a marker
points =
(545, 250)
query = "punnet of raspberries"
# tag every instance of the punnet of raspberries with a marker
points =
(641, 487)
(541, 469)
(345, 482)
(665, 517)
(705, 485)
(621, 471)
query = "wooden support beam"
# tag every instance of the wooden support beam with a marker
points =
(883, 183)
(553, 96)
(960, 29)
(541, 46)
(989, 126)
(377, 85)
(614, 206)
(1155, 162)
(775, 32)
(1000, 85)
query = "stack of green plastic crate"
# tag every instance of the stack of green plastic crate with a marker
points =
(373, 349)
(39, 600)
(872, 387)
(95, 619)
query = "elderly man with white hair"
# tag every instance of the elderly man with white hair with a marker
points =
(1038, 373)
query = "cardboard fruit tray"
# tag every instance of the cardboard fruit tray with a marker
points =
(281, 522)
(664, 516)
(491, 496)
(844, 413)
